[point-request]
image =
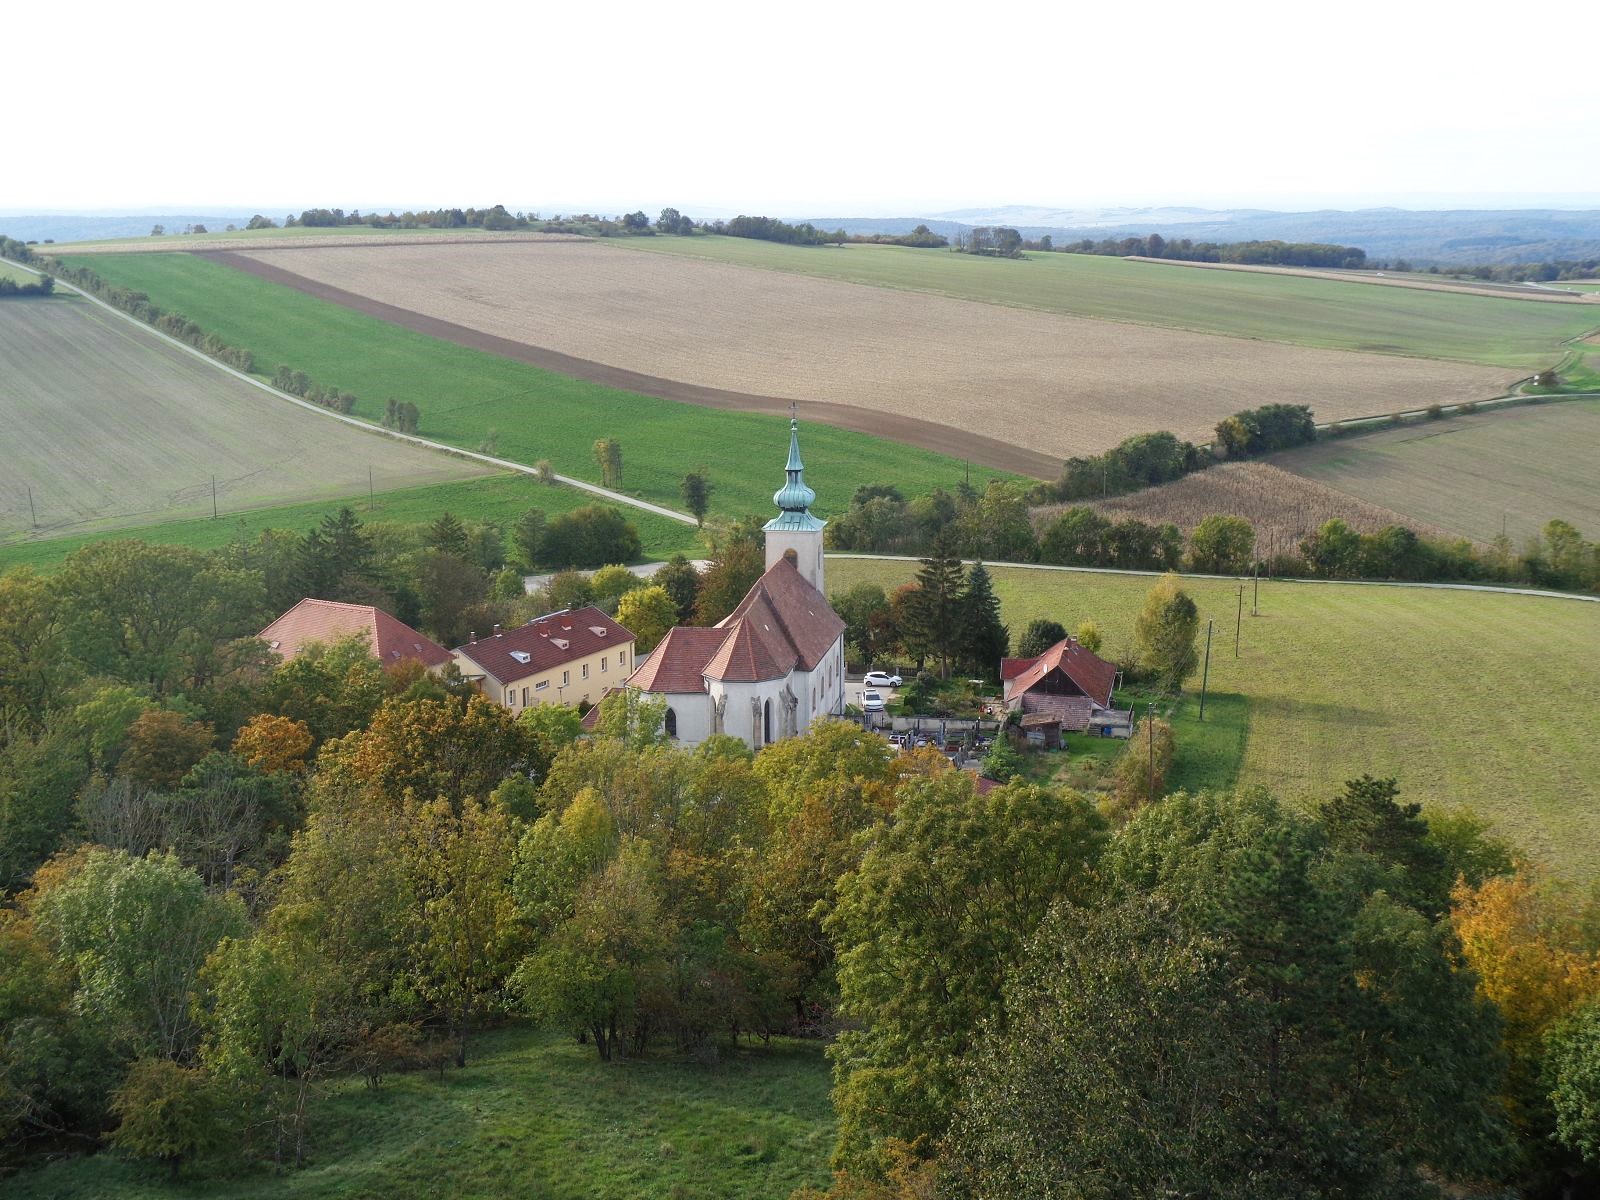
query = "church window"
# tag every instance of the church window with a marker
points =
(672, 723)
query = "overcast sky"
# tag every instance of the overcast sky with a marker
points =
(814, 109)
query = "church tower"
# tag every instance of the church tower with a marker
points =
(794, 531)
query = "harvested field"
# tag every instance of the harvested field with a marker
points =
(1425, 283)
(1470, 699)
(301, 236)
(111, 427)
(1475, 473)
(1056, 385)
(1282, 506)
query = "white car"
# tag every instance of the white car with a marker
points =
(879, 679)
(872, 701)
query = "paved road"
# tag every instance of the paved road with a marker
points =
(504, 464)
(532, 583)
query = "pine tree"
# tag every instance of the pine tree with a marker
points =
(984, 639)
(449, 535)
(936, 606)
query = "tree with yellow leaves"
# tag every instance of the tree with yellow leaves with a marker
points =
(271, 743)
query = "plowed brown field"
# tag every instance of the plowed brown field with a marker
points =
(1054, 384)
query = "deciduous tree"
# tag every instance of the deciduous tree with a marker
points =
(1164, 634)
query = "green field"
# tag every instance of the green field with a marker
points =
(174, 241)
(108, 426)
(532, 1116)
(1468, 698)
(466, 395)
(500, 498)
(1512, 468)
(1525, 334)
(16, 274)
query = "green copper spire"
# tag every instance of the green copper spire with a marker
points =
(794, 496)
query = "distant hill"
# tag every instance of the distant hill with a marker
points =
(75, 228)
(1453, 236)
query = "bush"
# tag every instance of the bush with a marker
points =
(169, 1113)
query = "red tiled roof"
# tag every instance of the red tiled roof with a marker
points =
(549, 641)
(793, 617)
(1010, 668)
(1089, 671)
(679, 662)
(324, 621)
(591, 719)
(751, 650)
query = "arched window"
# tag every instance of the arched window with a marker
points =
(766, 724)
(672, 723)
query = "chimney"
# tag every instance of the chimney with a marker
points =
(473, 637)
(497, 629)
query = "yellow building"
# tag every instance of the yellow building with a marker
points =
(566, 657)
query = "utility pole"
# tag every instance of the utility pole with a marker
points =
(371, 499)
(1238, 622)
(1255, 599)
(1150, 728)
(32, 512)
(213, 497)
(1205, 674)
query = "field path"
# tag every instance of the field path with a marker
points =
(491, 460)
(929, 435)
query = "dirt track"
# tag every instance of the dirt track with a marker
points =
(929, 435)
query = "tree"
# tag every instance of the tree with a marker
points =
(1333, 551)
(608, 454)
(934, 616)
(865, 610)
(528, 534)
(697, 489)
(1572, 1069)
(1088, 636)
(613, 582)
(448, 585)
(588, 537)
(567, 589)
(985, 639)
(163, 745)
(738, 558)
(448, 535)
(1076, 538)
(1164, 634)
(168, 1112)
(272, 743)
(1143, 766)
(137, 931)
(682, 582)
(648, 613)
(1040, 635)
(969, 878)
(1365, 819)
(1222, 545)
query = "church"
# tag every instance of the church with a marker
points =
(776, 663)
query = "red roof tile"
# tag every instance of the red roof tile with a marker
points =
(791, 614)
(751, 650)
(324, 621)
(1093, 674)
(1010, 668)
(679, 662)
(547, 642)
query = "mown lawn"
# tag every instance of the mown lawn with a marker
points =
(1474, 699)
(536, 1116)
(467, 397)
(499, 498)
(1286, 308)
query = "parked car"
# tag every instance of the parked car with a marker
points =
(872, 701)
(879, 679)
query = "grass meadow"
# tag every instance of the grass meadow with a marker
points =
(1473, 699)
(500, 498)
(533, 1115)
(1472, 474)
(1525, 334)
(468, 396)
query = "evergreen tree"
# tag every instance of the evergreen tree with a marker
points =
(449, 535)
(985, 639)
(528, 533)
(682, 582)
(936, 607)
(1039, 636)
(697, 494)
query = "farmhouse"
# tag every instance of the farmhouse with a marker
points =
(776, 663)
(1068, 687)
(390, 640)
(565, 657)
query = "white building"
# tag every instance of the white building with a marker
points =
(776, 663)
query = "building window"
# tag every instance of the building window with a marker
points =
(539, 687)
(605, 664)
(766, 724)
(566, 678)
(672, 723)
(524, 697)
(586, 673)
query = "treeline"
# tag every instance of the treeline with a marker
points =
(921, 238)
(997, 241)
(1268, 253)
(44, 285)
(1550, 271)
(136, 304)
(298, 383)
(769, 229)
(999, 524)
(230, 881)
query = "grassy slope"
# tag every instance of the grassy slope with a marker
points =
(500, 498)
(464, 394)
(1468, 698)
(1467, 473)
(17, 275)
(1309, 312)
(533, 1116)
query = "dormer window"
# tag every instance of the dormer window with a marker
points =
(522, 656)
